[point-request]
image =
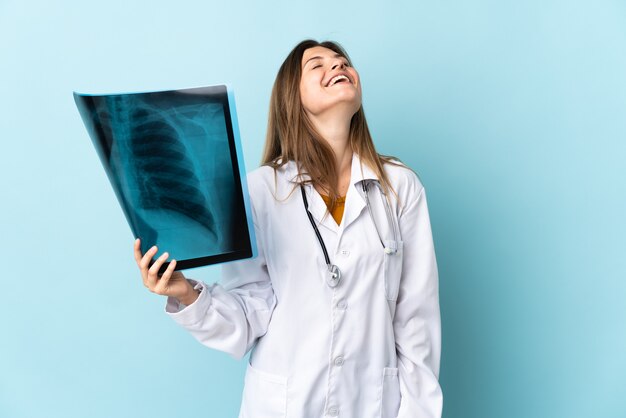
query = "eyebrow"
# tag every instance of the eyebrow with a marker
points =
(318, 57)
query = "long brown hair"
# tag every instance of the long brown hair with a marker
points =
(292, 136)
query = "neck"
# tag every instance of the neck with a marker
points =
(335, 130)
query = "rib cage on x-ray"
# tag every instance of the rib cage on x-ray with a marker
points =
(164, 177)
(160, 170)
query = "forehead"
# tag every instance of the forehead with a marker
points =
(318, 51)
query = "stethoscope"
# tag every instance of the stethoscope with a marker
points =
(334, 273)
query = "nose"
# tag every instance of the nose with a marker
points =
(338, 64)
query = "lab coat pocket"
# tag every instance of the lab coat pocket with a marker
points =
(390, 399)
(264, 395)
(393, 269)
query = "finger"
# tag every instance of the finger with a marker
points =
(153, 272)
(137, 248)
(145, 260)
(145, 263)
(167, 275)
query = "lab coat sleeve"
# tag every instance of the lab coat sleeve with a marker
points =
(417, 323)
(230, 316)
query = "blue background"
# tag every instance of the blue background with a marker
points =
(513, 113)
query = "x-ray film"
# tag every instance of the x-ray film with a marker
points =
(175, 163)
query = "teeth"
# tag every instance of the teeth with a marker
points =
(337, 78)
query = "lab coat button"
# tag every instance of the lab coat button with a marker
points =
(333, 411)
(339, 361)
(342, 304)
(345, 252)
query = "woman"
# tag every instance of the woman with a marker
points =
(351, 330)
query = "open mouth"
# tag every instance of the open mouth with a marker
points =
(341, 78)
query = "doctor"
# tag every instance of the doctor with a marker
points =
(340, 308)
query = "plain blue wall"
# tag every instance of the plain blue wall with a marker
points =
(513, 113)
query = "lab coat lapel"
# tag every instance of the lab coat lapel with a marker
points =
(355, 200)
(319, 210)
(317, 207)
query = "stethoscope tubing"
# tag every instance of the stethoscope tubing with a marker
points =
(365, 185)
(315, 228)
(335, 273)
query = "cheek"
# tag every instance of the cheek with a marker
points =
(307, 96)
(357, 78)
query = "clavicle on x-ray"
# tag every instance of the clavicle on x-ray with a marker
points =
(173, 159)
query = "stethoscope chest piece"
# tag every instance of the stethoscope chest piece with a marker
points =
(333, 276)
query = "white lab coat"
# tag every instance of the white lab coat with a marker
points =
(369, 347)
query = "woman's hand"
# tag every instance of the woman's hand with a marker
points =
(170, 283)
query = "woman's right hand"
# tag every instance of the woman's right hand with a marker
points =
(170, 283)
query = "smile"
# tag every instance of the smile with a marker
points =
(341, 78)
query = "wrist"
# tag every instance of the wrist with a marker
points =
(190, 297)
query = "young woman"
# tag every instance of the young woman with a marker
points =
(341, 305)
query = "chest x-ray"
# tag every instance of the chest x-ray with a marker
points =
(174, 161)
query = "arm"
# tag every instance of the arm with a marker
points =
(417, 324)
(230, 316)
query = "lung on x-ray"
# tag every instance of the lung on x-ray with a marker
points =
(174, 161)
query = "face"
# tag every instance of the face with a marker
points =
(328, 83)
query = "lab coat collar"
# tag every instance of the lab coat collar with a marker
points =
(359, 171)
(355, 201)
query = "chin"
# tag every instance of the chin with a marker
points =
(348, 98)
(353, 103)
(348, 104)
(346, 108)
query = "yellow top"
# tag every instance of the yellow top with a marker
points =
(339, 206)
